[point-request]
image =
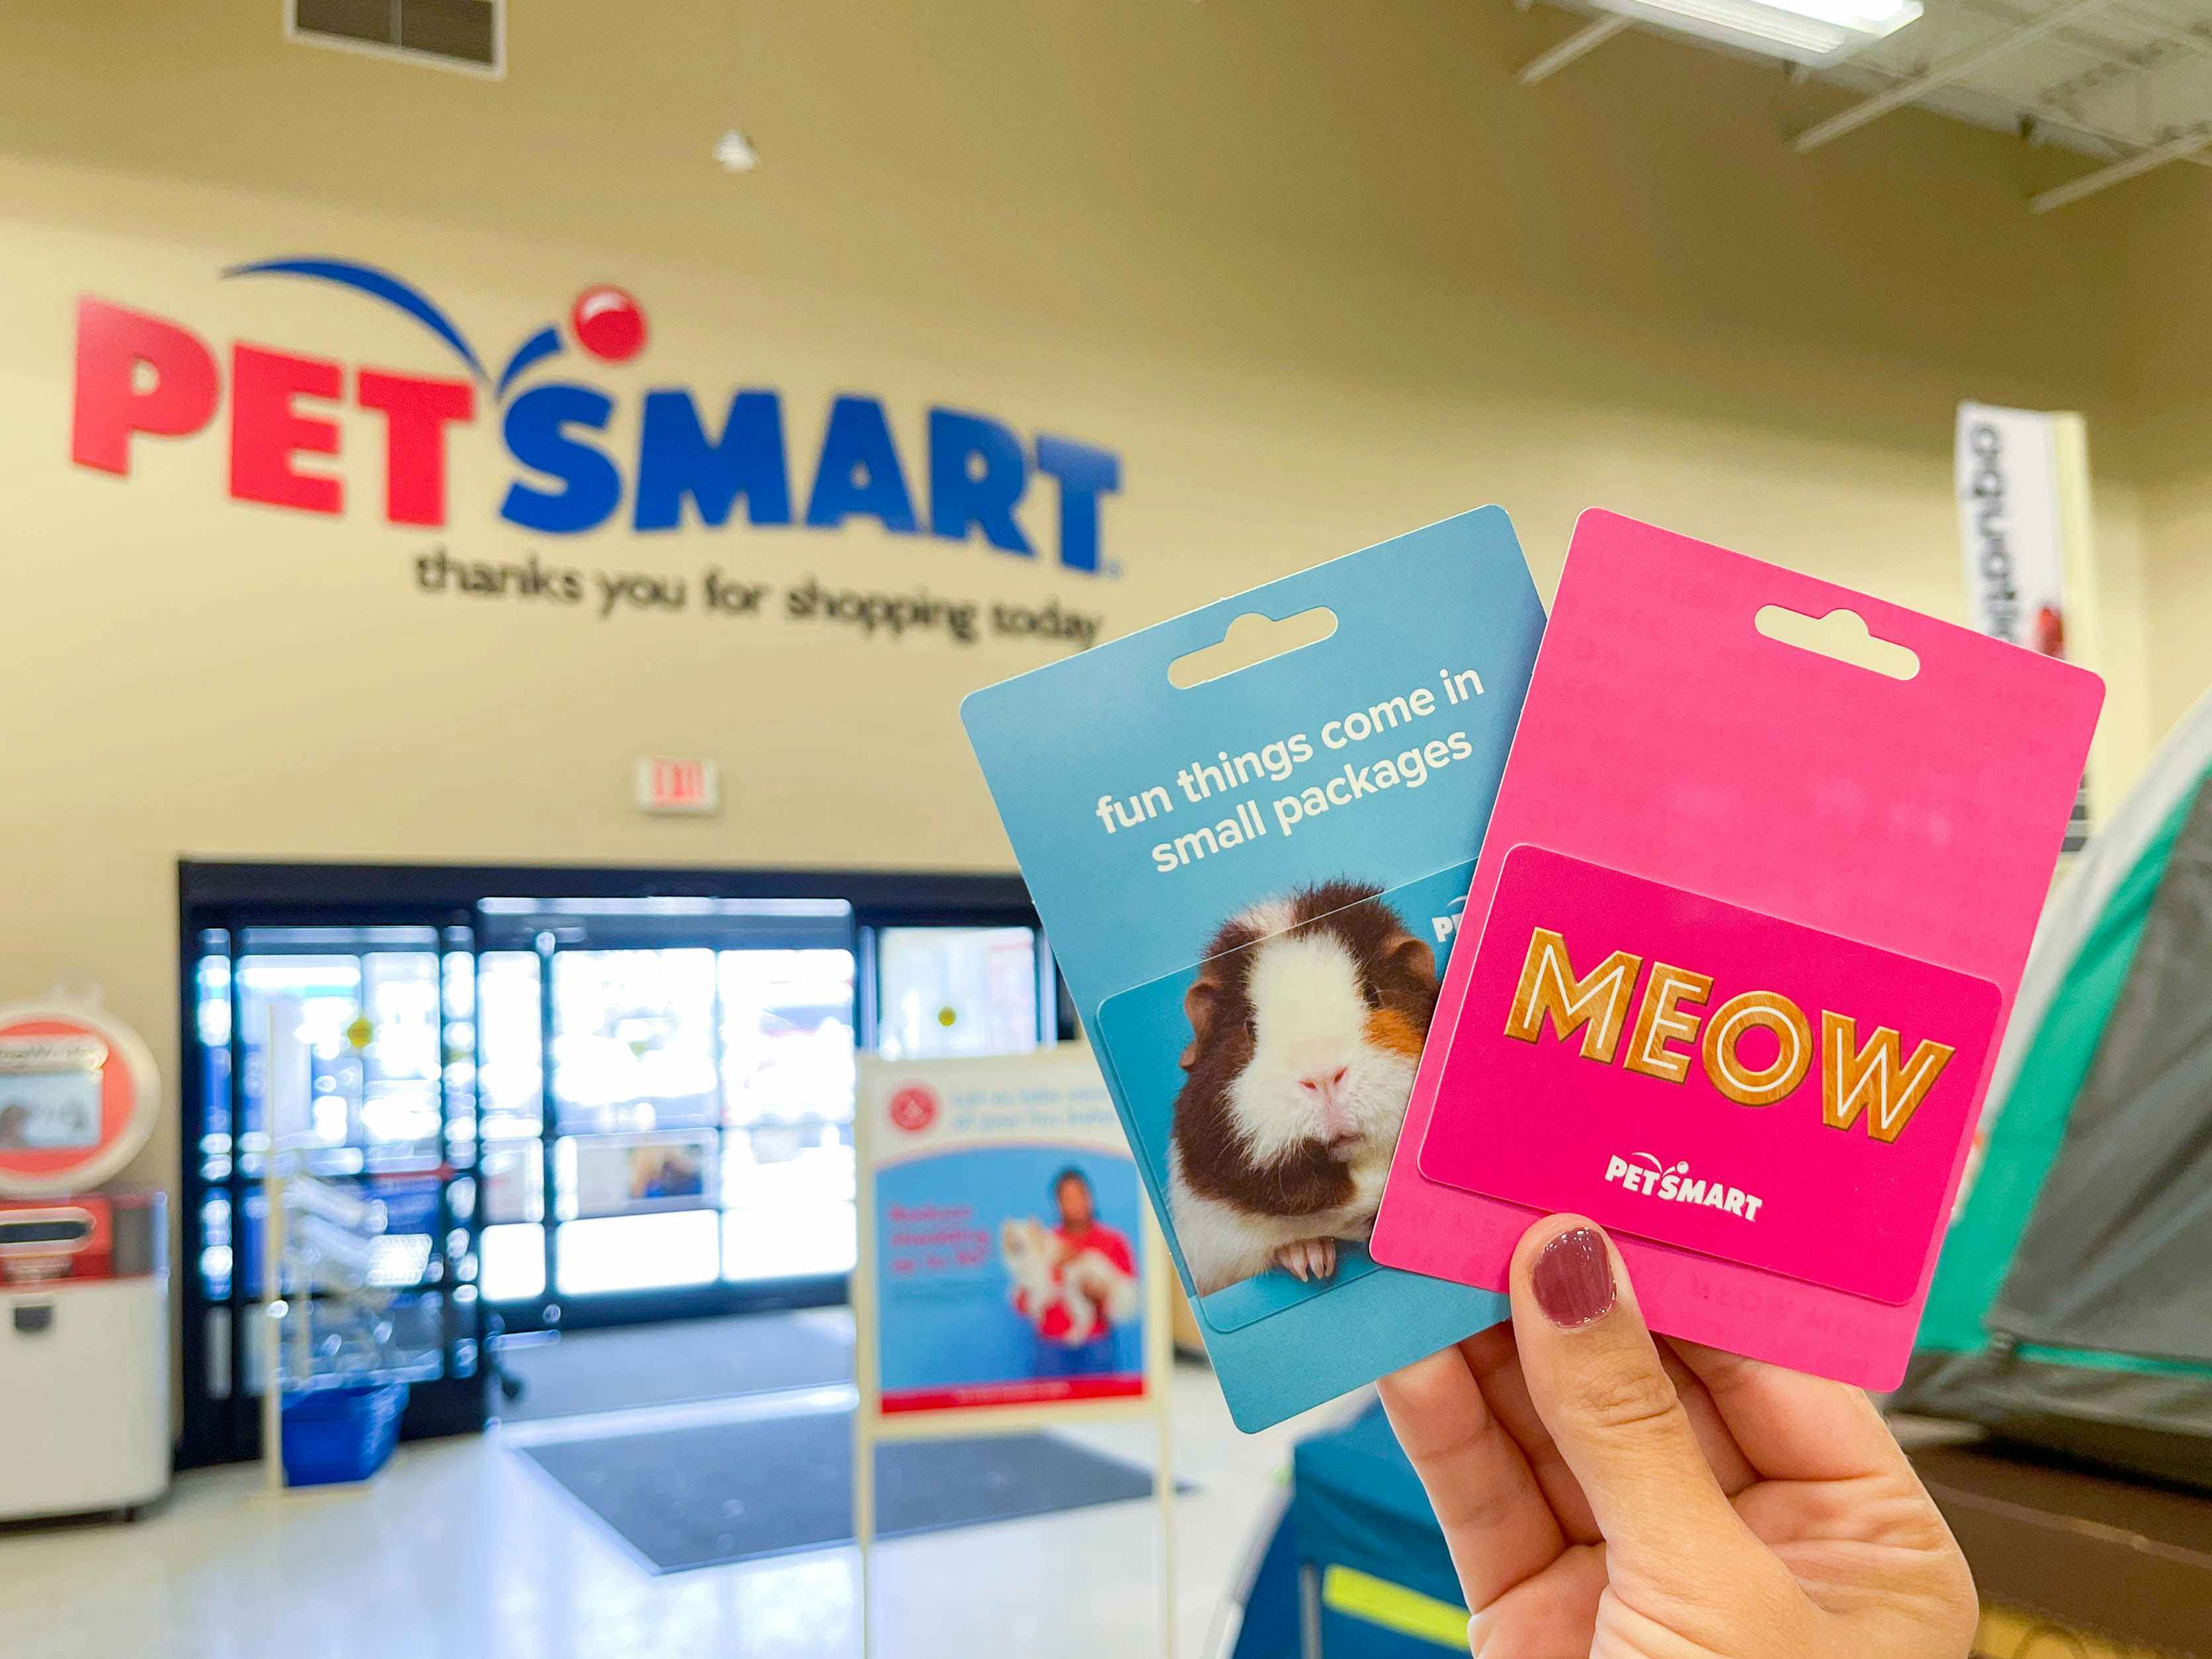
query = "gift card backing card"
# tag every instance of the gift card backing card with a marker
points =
(1166, 823)
(1915, 806)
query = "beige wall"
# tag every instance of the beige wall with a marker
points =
(1318, 273)
(2169, 241)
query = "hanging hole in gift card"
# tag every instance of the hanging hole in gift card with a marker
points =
(1252, 639)
(1841, 634)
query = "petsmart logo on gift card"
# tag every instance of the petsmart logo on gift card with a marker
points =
(1646, 1174)
(139, 375)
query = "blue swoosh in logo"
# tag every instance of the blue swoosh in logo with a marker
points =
(545, 343)
(383, 285)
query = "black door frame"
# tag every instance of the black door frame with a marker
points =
(228, 896)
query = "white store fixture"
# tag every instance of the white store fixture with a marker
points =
(1799, 31)
(84, 1283)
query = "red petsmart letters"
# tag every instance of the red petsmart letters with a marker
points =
(113, 344)
(416, 414)
(266, 431)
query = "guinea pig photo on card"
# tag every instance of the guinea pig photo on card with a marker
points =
(1267, 1083)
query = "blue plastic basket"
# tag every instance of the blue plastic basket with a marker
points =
(332, 1436)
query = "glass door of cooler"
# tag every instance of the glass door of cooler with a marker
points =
(948, 991)
(678, 1075)
(386, 1016)
(788, 1024)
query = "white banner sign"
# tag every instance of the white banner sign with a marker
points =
(2023, 494)
(2012, 525)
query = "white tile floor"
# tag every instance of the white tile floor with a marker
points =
(463, 1548)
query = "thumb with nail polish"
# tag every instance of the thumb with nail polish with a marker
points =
(1608, 1494)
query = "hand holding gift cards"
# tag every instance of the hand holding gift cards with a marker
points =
(1749, 917)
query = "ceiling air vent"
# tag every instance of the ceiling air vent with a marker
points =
(470, 35)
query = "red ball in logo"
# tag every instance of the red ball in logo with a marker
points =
(608, 323)
(913, 1108)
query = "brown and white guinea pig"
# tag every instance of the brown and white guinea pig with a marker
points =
(1307, 1020)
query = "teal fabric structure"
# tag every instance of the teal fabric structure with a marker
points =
(2073, 1305)
(1352, 1564)
(1359, 1504)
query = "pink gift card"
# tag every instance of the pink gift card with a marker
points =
(1694, 722)
(1707, 1076)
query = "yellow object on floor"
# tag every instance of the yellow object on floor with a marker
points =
(1394, 1607)
(2002, 1634)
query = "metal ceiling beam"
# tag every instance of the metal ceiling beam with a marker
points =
(2121, 146)
(1952, 69)
(2103, 143)
(2191, 41)
(1546, 64)
(2195, 39)
(2173, 149)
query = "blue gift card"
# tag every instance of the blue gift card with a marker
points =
(1250, 879)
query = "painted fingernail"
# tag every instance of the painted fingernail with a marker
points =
(1573, 1278)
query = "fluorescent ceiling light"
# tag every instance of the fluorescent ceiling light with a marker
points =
(1803, 30)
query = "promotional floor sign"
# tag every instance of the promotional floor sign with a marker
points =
(1003, 1230)
(1247, 832)
(1009, 1277)
(2024, 534)
(1759, 888)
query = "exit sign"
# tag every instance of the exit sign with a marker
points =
(668, 785)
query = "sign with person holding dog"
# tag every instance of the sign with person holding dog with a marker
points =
(1010, 1276)
(1003, 1228)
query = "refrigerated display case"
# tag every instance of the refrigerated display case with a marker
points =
(381, 1021)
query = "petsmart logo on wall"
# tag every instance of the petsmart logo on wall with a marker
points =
(140, 375)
